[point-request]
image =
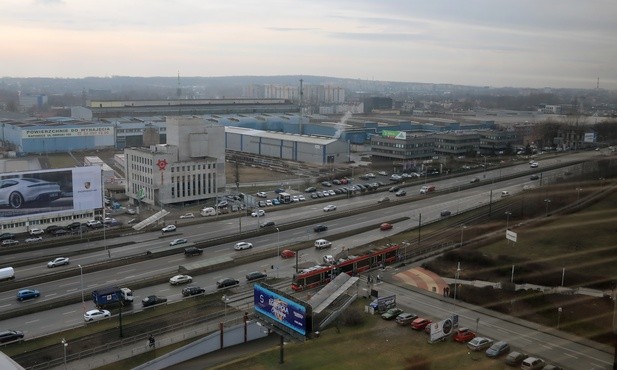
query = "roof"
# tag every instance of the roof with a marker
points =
(317, 140)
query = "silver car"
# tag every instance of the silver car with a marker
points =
(60, 261)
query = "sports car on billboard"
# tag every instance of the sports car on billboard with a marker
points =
(16, 192)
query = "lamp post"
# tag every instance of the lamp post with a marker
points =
(508, 213)
(64, 345)
(456, 276)
(484, 170)
(463, 227)
(81, 283)
(558, 316)
(278, 249)
(225, 300)
(547, 201)
(578, 194)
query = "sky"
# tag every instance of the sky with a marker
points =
(498, 43)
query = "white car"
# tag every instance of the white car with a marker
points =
(34, 239)
(262, 194)
(36, 231)
(178, 241)
(169, 228)
(180, 279)
(329, 207)
(258, 213)
(268, 202)
(92, 223)
(329, 259)
(295, 198)
(534, 165)
(187, 215)
(243, 245)
(96, 315)
(10, 242)
(301, 198)
(60, 261)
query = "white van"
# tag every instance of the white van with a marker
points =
(208, 211)
(7, 273)
(322, 243)
(505, 193)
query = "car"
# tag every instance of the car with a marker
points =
(400, 193)
(131, 211)
(222, 204)
(226, 283)
(405, 318)
(295, 198)
(192, 290)
(262, 203)
(268, 203)
(427, 328)
(62, 232)
(187, 215)
(193, 251)
(419, 323)
(24, 294)
(331, 192)
(169, 229)
(267, 224)
(463, 335)
(320, 228)
(71, 226)
(152, 300)
(505, 193)
(34, 239)
(7, 236)
(36, 231)
(10, 335)
(385, 226)
(532, 363)
(534, 177)
(50, 229)
(329, 259)
(479, 343)
(394, 189)
(383, 200)
(93, 223)
(391, 314)
(533, 165)
(59, 261)
(382, 173)
(180, 279)
(325, 193)
(498, 349)
(256, 275)
(276, 202)
(310, 189)
(262, 194)
(258, 213)
(445, 213)
(243, 245)
(326, 184)
(322, 243)
(286, 253)
(475, 179)
(279, 190)
(17, 192)
(329, 207)
(301, 198)
(9, 242)
(427, 189)
(178, 241)
(96, 315)
(515, 358)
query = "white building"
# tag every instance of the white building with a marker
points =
(190, 167)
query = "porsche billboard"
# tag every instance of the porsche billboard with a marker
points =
(26, 194)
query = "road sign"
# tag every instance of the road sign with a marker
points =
(511, 235)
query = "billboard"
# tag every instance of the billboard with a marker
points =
(590, 137)
(441, 329)
(282, 310)
(26, 194)
(40, 133)
(511, 235)
(401, 135)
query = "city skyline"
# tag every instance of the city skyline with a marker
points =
(560, 44)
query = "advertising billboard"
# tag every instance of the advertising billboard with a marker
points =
(281, 310)
(441, 329)
(41, 133)
(590, 137)
(25, 194)
(401, 135)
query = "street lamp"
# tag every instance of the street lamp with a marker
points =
(278, 249)
(558, 316)
(225, 300)
(547, 201)
(81, 282)
(578, 194)
(508, 213)
(64, 345)
(456, 276)
(463, 227)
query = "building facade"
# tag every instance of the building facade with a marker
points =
(401, 145)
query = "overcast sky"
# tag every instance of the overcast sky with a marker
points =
(521, 43)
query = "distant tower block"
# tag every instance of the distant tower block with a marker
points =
(151, 136)
(178, 89)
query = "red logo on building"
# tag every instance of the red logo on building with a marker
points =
(162, 163)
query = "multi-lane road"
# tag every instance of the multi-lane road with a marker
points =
(57, 319)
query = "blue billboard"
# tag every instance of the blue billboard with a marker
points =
(280, 309)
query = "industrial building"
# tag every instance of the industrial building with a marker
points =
(190, 167)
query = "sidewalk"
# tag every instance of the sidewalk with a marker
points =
(545, 289)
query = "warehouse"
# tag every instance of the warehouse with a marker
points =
(301, 148)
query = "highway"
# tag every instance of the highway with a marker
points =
(42, 323)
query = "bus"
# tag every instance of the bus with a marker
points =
(284, 198)
(320, 275)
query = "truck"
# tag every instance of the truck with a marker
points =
(208, 211)
(112, 296)
(7, 273)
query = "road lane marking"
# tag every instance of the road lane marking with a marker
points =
(32, 322)
(567, 354)
(5, 305)
(67, 284)
(69, 313)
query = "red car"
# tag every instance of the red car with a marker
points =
(420, 323)
(427, 328)
(463, 335)
(385, 226)
(286, 253)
